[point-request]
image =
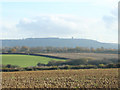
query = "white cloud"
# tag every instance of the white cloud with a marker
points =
(104, 29)
(63, 26)
(111, 20)
(66, 25)
(47, 24)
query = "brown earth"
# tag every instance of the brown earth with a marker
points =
(83, 78)
(83, 55)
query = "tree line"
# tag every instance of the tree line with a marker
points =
(12, 68)
(77, 49)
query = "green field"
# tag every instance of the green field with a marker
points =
(25, 60)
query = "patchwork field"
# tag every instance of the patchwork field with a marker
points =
(83, 78)
(98, 56)
(25, 60)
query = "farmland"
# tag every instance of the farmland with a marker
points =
(58, 78)
(83, 78)
(98, 56)
(25, 60)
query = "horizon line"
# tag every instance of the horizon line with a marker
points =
(55, 38)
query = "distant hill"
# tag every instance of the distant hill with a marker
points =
(56, 42)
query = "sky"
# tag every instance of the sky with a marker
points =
(88, 19)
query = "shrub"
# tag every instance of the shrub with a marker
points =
(51, 63)
(40, 64)
(111, 65)
(10, 66)
(76, 62)
(101, 66)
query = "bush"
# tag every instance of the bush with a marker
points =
(97, 62)
(54, 68)
(76, 62)
(91, 66)
(28, 69)
(111, 65)
(51, 63)
(10, 69)
(77, 67)
(40, 64)
(11, 66)
(118, 65)
(101, 66)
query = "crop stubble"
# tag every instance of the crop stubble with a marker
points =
(83, 78)
(98, 56)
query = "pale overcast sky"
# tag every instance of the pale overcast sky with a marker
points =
(89, 19)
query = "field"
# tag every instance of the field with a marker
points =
(30, 60)
(25, 60)
(83, 78)
(98, 56)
